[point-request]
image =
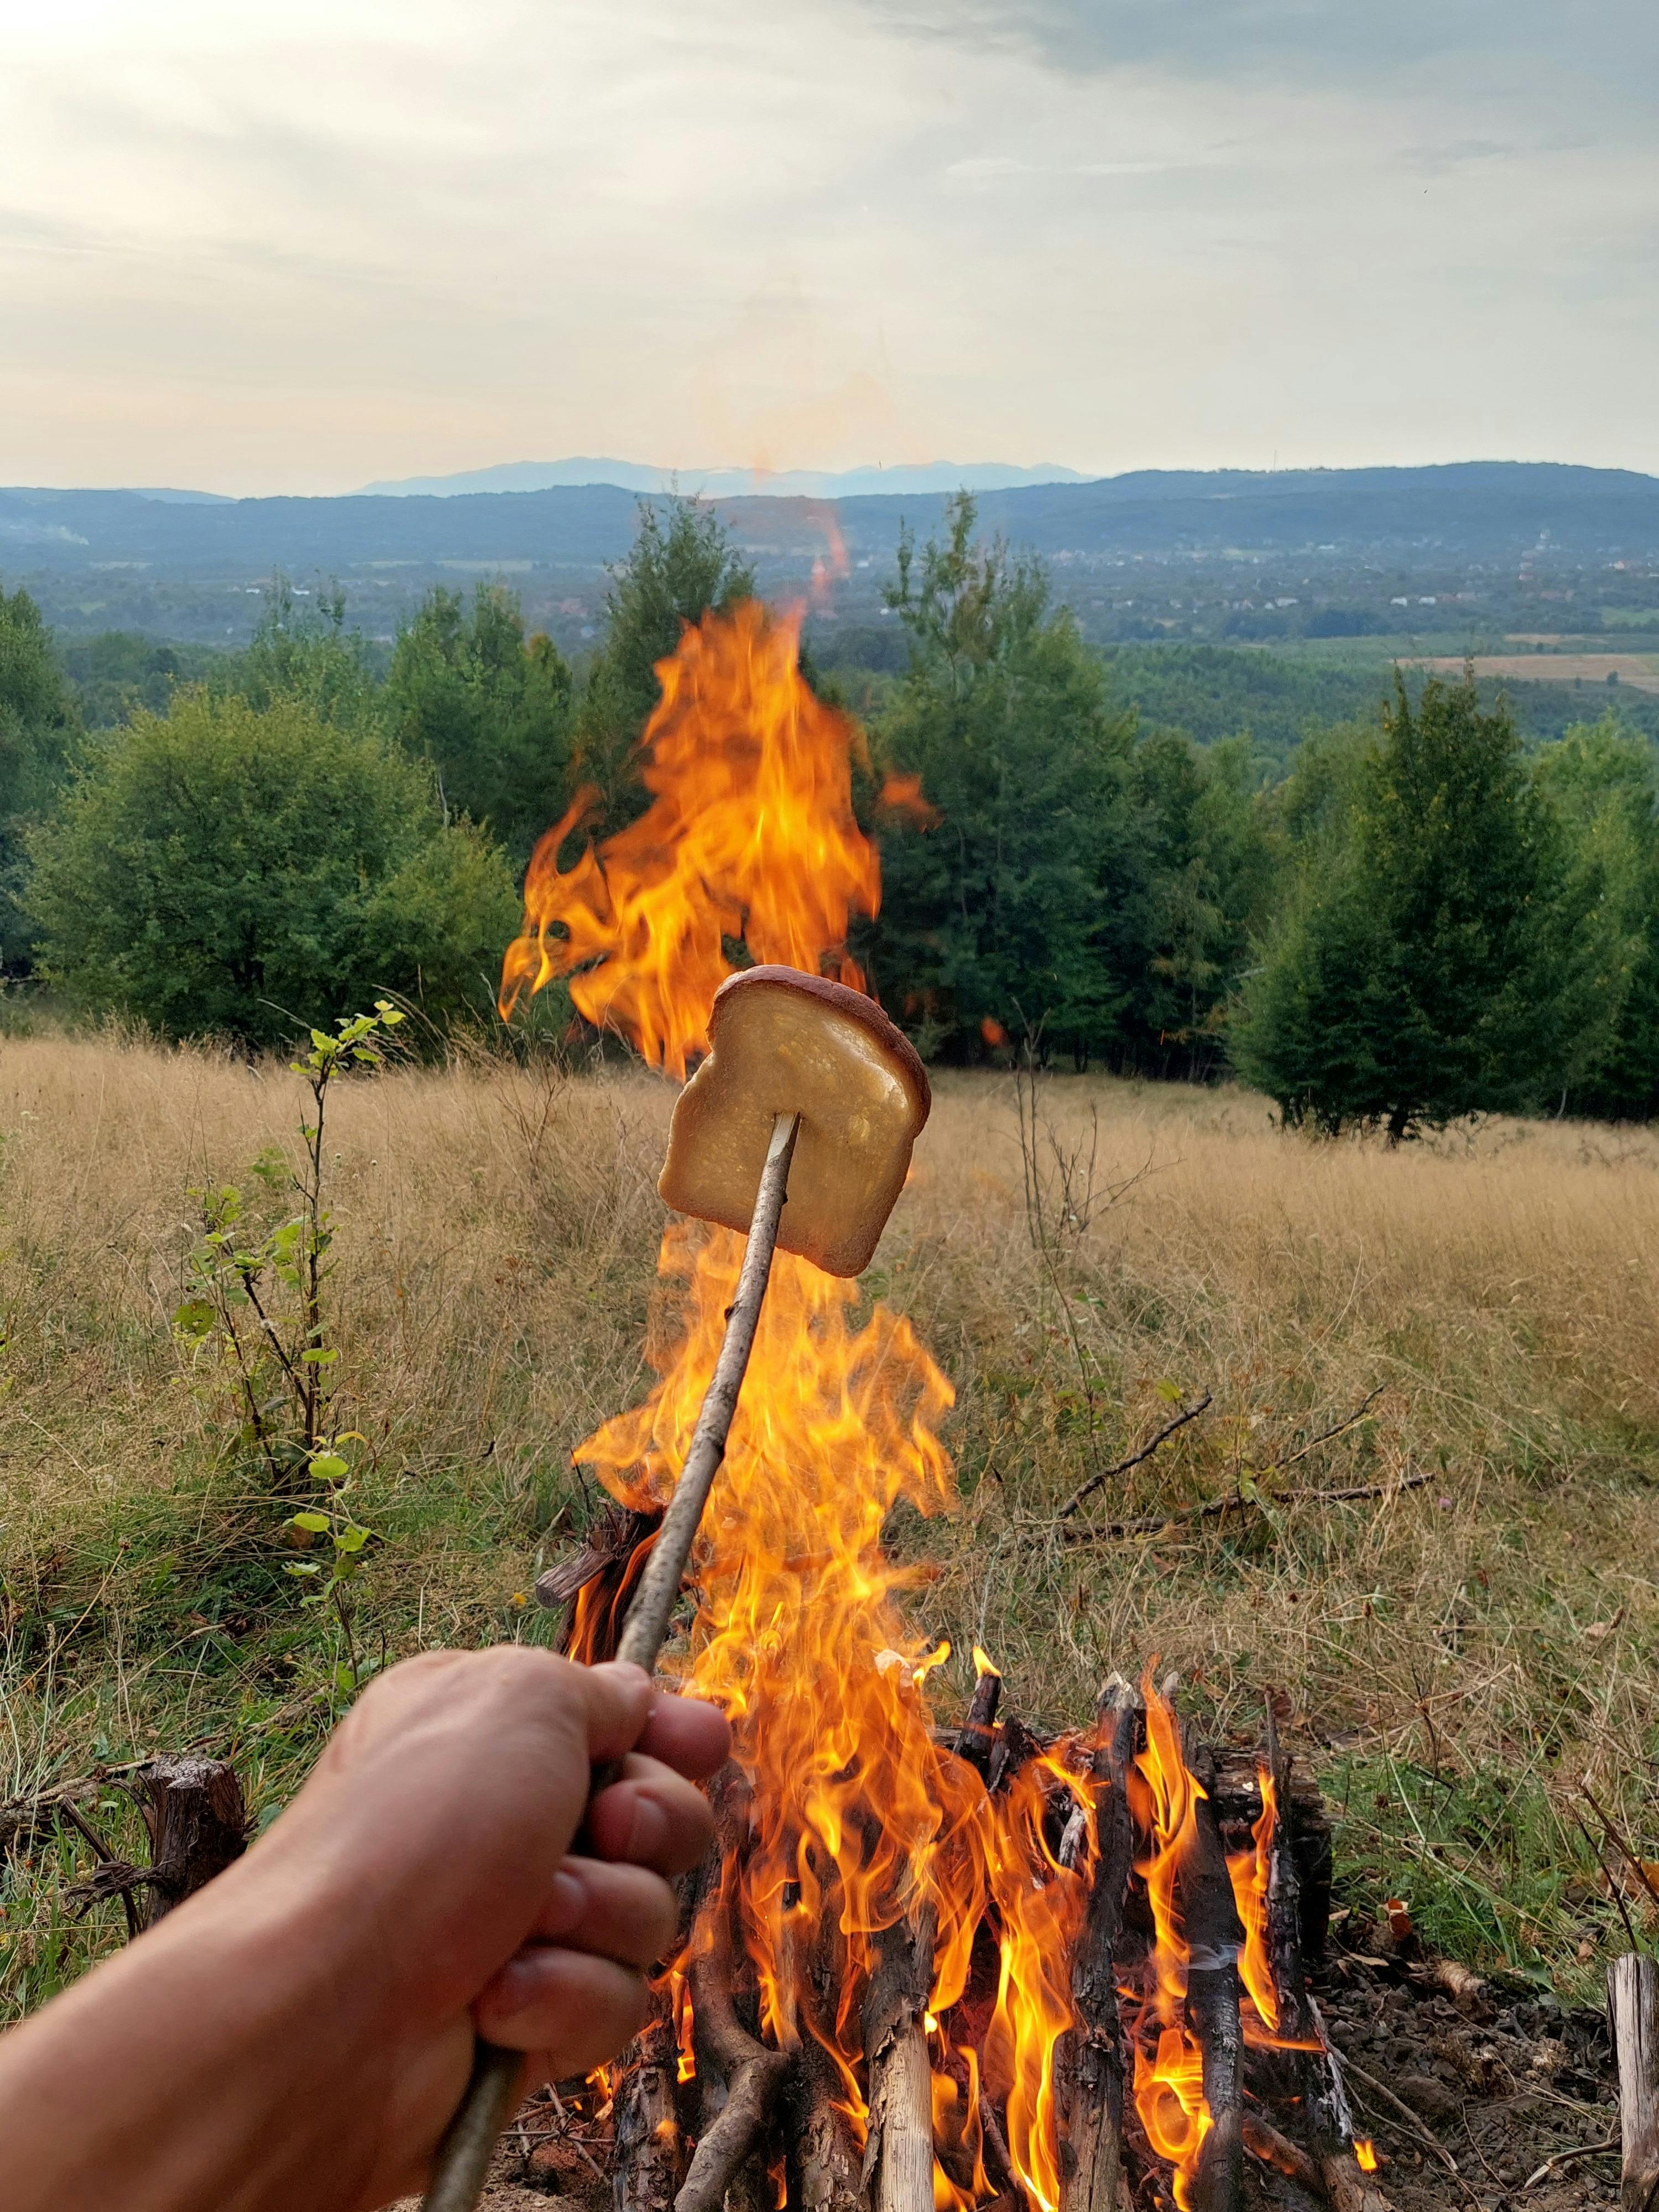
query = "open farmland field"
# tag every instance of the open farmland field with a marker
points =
(1639, 670)
(1457, 1654)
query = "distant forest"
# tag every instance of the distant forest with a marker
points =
(1385, 902)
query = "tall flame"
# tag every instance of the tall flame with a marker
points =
(749, 835)
(858, 1819)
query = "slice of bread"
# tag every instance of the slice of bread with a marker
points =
(780, 1042)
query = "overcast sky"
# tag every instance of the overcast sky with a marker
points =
(293, 248)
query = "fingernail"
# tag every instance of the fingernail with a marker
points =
(566, 1898)
(650, 1829)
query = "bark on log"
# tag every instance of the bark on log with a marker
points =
(824, 2171)
(1214, 1937)
(1633, 2016)
(753, 2078)
(1091, 2059)
(898, 2156)
(197, 1824)
(649, 2152)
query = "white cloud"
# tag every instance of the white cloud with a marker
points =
(363, 239)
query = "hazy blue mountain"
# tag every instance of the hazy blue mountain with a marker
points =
(943, 476)
(1483, 510)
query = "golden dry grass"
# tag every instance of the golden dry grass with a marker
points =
(1457, 1654)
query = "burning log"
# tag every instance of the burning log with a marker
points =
(649, 2150)
(739, 2080)
(1214, 1935)
(824, 2170)
(976, 1738)
(1329, 2120)
(898, 2155)
(754, 2077)
(1091, 2064)
(594, 1586)
(1633, 2015)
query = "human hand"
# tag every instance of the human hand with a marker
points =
(296, 2037)
(478, 1766)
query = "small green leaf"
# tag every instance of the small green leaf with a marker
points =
(329, 1466)
(344, 1680)
(1169, 1392)
(193, 1319)
(351, 1538)
(319, 1358)
(317, 1523)
(301, 1567)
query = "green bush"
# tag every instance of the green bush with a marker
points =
(233, 871)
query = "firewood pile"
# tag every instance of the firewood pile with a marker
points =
(1129, 2020)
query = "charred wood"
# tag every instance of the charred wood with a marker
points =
(1263, 2141)
(1237, 1802)
(594, 1585)
(752, 2077)
(1091, 2057)
(1328, 2119)
(976, 1738)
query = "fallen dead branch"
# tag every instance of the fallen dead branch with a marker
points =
(1109, 1473)
(1154, 1524)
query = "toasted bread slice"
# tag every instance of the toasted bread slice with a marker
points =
(779, 1042)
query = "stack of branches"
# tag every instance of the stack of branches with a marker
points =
(729, 2102)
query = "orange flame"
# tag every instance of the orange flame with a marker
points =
(1366, 2155)
(1041, 1904)
(1249, 1871)
(1168, 2077)
(749, 835)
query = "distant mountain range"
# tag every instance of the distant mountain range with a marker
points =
(1478, 510)
(944, 477)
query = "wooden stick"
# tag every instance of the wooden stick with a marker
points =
(659, 1585)
(1264, 2142)
(898, 2157)
(976, 1739)
(1091, 2068)
(1214, 1935)
(1633, 2015)
(462, 2162)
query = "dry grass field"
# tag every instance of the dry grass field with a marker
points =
(1458, 1654)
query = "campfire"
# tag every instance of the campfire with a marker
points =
(933, 1961)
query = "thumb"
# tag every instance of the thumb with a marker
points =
(619, 1699)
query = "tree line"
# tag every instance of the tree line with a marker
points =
(1418, 917)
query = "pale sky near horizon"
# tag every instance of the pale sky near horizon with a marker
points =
(254, 250)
